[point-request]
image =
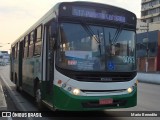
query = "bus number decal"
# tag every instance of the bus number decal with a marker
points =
(128, 59)
(72, 62)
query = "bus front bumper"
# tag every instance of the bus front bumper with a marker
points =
(66, 101)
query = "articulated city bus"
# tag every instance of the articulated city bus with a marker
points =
(78, 56)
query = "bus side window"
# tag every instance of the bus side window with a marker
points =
(38, 41)
(16, 51)
(26, 46)
(13, 53)
(21, 48)
(31, 45)
(24, 41)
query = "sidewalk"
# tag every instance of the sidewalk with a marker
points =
(149, 77)
(3, 105)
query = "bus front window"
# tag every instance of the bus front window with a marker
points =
(91, 48)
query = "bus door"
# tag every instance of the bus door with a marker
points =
(50, 42)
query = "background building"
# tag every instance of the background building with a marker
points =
(148, 36)
(143, 26)
(148, 51)
(150, 11)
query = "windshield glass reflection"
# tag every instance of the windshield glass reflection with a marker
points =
(96, 48)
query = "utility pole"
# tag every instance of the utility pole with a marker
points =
(147, 49)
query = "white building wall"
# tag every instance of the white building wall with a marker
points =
(142, 26)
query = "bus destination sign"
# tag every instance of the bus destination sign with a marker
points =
(92, 13)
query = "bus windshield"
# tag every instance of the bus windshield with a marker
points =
(96, 48)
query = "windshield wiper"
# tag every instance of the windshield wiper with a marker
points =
(91, 33)
(112, 42)
(116, 36)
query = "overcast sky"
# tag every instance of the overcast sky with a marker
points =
(16, 16)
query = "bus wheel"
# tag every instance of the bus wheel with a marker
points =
(17, 87)
(15, 78)
(12, 76)
(38, 98)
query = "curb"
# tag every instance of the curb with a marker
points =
(3, 104)
(17, 102)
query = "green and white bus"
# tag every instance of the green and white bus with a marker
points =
(78, 56)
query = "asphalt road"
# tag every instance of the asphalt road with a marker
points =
(148, 100)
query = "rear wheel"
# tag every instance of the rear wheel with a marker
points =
(38, 98)
(12, 76)
(17, 87)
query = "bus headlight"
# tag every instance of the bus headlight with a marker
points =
(130, 89)
(76, 91)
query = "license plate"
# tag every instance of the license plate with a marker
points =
(105, 101)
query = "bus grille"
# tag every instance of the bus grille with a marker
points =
(87, 76)
(104, 78)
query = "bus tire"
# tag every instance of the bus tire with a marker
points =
(38, 98)
(15, 80)
(12, 76)
(17, 87)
